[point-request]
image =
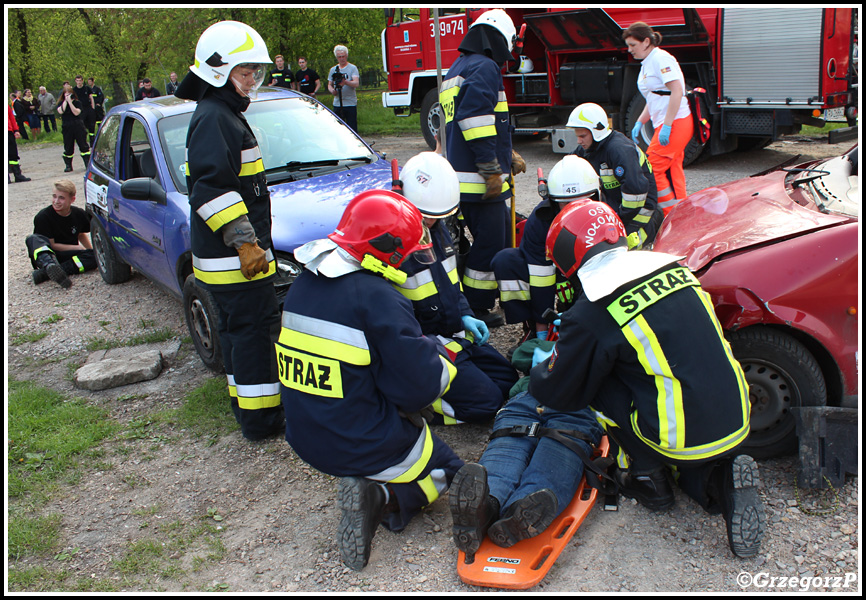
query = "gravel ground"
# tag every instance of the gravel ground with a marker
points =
(280, 515)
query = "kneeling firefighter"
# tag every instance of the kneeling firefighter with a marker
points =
(230, 220)
(356, 370)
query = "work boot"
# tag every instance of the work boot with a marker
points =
(524, 519)
(741, 506)
(473, 509)
(362, 503)
(19, 176)
(39, 276)
(48, 263)
(490, 318)
(68, 161)
(652, 489)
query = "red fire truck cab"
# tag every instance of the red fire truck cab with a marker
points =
(767, 71)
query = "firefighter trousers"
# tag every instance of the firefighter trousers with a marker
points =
(698, 479)
(74, 132)
(525, 291)
(488, 222)
(479, 389)
(71, 262)
(667, 163)
(249, 325)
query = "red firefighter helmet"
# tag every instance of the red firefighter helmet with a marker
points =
(577, 229)
(383, 224)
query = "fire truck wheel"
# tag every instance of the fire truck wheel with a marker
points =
(431, 117)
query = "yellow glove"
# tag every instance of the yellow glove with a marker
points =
(253, 260)
(633, 240)
(518, 165)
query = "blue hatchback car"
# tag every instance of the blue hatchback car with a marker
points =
(136, 193)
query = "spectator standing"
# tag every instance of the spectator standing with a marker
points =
(661, 82)
(307, 79)
(31, 105)
(282, 75)
(47, 104)
(20, 110)
(14, 165)
(171, 86)
(88, 110)
(98, 101)
(72, 127)
(343, 80)
(147, 90)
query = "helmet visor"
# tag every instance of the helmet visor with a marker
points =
(248, 77)
(425, 253)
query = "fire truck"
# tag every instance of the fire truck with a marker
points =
(766, 71)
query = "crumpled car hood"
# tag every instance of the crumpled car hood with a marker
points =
(734, 216)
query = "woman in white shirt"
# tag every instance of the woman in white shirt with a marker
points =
(661, 82)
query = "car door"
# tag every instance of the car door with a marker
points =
(139, 225)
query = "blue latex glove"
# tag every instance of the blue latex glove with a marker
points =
(541, 335)
(635, 132)
(539, 355)
(477, 328)
(665, 135)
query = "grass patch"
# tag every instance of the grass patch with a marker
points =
(207, 410)
(27, 338)
(374, 119)
(150, 337)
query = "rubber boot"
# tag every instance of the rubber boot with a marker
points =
(19, 176)
(48, 263)
(652, 489)
(742, 507)
(525, 518)
(68, 161)
(473, 509)
(362, 503)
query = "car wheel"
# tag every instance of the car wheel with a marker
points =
(431, 117)
(202, 320)
(782, 374)
(112, 269)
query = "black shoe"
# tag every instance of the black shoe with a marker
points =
(362, 503)
(491, 319)
(48, 263)
(524, 519)
(651, 488)
(473, 509)
(39, 276)
(743, 510)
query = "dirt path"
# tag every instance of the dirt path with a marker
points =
(154, 497)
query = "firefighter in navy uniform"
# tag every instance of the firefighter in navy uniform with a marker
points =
(98, 101)
(230, 221)
(643, 347)
(626, 174)
(356, 369)
(478, 143)
(73, 129)
(484, 376)
(527, 279)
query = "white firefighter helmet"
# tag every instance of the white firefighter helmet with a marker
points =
(225, 45)
(526, 65)
(499, 20)
(590, 116)
(431, 184)
(573, 178)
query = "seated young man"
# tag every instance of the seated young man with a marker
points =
(60, 243)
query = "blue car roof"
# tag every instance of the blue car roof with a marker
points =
(165, 106)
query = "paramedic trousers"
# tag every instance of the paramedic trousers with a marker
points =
(518, 466)
(693, 477)
(480, 387)
(667, 163)
(488, 222)
(249, 325)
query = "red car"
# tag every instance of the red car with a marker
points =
(778, 252)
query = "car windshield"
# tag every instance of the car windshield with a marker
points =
(298, 137)
(834, 184)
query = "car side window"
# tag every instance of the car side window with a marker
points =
(139, 160)
(104, 150)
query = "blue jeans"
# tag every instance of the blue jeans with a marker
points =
(518, 466)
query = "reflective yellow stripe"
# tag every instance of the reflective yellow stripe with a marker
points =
(222, 209)
(343, 351)
(224, 271)
(440, 407)
(255, 397)
(410, 474)
(609, 182)
(78, 263)
(479, 188)
(418, 286)
(447, 95)
(480, 280)
(542, 276)
(479, 132)
(649, 292)
(669, 399)
(429, 488)
(513, 289)
(701, 452)
(252, 168)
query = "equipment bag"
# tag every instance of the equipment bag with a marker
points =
(702, 125)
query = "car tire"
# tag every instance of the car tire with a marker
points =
(782, 374)
(431, 117)
(202, 320)
(111, 267)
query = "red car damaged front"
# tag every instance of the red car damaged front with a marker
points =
(778, 252)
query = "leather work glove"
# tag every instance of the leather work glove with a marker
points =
(253, 260)
(518, 165)
(665, 135)
(492, 175)
(477, 328)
